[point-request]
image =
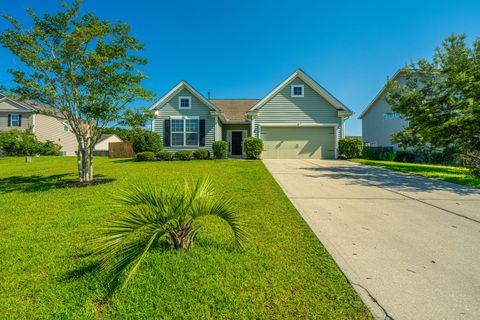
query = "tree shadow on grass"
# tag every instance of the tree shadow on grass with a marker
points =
(124, 160)
(35, 183)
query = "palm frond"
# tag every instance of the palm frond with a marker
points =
(149, 215)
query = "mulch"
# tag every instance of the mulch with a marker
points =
(78, 184)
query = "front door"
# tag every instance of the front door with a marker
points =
(236, 143)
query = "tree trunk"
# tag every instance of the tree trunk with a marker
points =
(79, 161)
(90, 164)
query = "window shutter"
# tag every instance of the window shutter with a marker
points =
(19, 120)
(201, 128)
(166, 133)
(9, 120)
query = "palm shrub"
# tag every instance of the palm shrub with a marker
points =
(151, 217)
(253, 147)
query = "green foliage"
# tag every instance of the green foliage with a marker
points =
(24, 143)
(122, 133)
(165, 155)
(184, 155)
(442, 158)
(136, 119)
(404, 156)
(441, 99)
(145, 156)
(350, 147)
(50, 148)
(201, 154)
(387, 156)
(253, 147)
(146, 141)
(368, 153)
(81, 65)
(476, 171)
(220, 149)
(151, 216)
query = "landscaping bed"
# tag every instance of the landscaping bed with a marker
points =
(284, 272)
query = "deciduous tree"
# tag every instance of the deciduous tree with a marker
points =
(81, 65)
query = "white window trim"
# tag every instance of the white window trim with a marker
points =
(184, 118)
(189, 102)
(11, 119)
(297, 86)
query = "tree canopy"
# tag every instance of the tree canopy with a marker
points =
(440, 99)
(85, 67)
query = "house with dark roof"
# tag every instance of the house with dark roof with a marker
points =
(45, 122)
(297, 119)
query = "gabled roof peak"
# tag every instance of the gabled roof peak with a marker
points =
(299, 73)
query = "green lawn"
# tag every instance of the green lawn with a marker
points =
(284, 272)
(445, 173)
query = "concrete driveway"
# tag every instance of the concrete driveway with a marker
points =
(409, 245)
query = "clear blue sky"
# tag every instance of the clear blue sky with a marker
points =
(243, 49)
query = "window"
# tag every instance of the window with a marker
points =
(297, 91)
(184, 102)
(65, 126)
(15, 120)
(388, 116)
(185, 132)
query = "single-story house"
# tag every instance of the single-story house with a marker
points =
(46, 122)
(379, 122)
(104, 140)
(297, 119)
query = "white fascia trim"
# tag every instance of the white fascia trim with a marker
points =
(309, 81)
(298, 124)
(176, 89)
(18, 104)
(185, 117)
(297, 86)
(189, 102)
(378, 96)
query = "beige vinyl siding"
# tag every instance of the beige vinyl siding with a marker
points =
(198, 109)
(51, 128)
(103, 145)
(27, 120)
(6, 108)
(312, 108)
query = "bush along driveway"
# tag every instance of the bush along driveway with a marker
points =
(284, 272)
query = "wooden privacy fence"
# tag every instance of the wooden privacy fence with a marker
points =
(120, 150)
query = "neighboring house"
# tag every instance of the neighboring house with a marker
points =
(297, 119)
(379, 122)
(104, 140)
(45, 122)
